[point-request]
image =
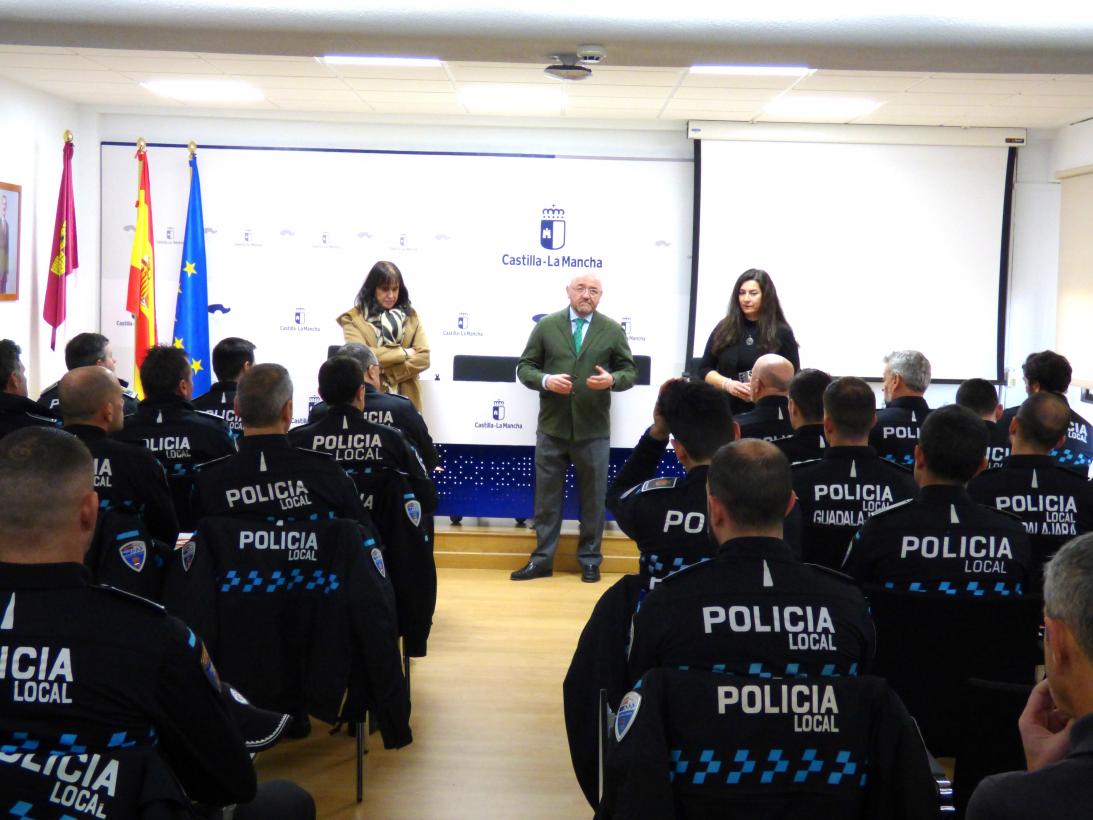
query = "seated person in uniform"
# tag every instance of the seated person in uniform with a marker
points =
(122, 675)
(770, 378)
(357, 444)
(385, 408)
(979, 396)
(906, 377)
(167, 423)
(754, 609)
(1057, 724)
(838, 492)
(667, 516)
(16, 410)
(943, 541)
(1054, 503)
(232, 357)
(806, 416)
(268, 476)
(128, 477)
(85, 350)
(1049, 372)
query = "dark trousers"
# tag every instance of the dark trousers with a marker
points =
(589, 459)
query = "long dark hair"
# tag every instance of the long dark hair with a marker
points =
(382, 273)
(730, 330)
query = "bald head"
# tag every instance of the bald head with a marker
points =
(50, 505)
(584, 294)
(92, 395)
(771, 376)
(1041, 424)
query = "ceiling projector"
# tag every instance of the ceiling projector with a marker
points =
(575, 66)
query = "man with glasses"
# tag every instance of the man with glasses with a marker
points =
(574, 359)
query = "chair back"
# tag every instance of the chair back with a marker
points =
(930, 644)
(764, 747)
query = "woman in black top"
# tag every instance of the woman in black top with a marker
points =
(754, 325)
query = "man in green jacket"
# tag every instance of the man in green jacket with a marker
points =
(573, 358)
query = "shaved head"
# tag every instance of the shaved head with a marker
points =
(774, 372)
(85, 390)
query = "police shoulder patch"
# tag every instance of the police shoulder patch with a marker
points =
(628, 710)
(208, 668)
(413, 511)
(377, 559)
(659, 484)
(134, 554)
(189, 550)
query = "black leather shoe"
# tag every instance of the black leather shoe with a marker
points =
(532, 570)
(590, 574)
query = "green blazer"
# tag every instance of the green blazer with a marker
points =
(584, 413)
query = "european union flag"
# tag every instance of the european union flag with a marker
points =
(192, 307)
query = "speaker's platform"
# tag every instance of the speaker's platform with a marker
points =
(494, 543)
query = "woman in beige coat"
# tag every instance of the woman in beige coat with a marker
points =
(384, 320)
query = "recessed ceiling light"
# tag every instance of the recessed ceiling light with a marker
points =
(839, 108)
(754, 70)
(404, 62)
(512, 99)
(205, 91)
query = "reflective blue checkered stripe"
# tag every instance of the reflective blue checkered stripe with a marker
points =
(765, 767)
(70, 743)
(279, 581)
(790, 670)
(974, 589)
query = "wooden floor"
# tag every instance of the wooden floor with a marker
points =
(489, 737)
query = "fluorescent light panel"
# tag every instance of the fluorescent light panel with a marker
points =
(841, 108)
(754, 70)
(205, 91)
(404, 62)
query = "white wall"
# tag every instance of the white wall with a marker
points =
(32, 125)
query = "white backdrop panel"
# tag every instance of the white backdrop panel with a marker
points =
(290, 235)
(872, 248)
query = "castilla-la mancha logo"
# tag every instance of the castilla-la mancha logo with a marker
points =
(552, 228)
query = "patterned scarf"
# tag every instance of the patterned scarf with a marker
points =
(389, 326)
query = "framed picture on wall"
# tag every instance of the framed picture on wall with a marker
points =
(11, 199)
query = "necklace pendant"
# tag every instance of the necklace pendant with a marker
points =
(749, 341)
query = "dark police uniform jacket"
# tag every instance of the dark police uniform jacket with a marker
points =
(839, 492)
(357, 444)
(737, 360)
(806, 443)
(270, 477)
(998, 448)
(754, 610)
(1055, 792)
(701, 745)
(88, 670)
(1076, 454)
(895, 434)
(1053, 503)
(292, 611)
(220, 401)
(129, 479)
(18, 411)
(51, 399)
(667, 516)
(394, 411)
(181, 438)
(769, 420)
(942, 542)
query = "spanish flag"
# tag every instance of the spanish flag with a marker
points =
(63, 257)
(142, 273)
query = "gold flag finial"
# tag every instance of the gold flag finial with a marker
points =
(68, 136)
(141, 144)
(193, 148)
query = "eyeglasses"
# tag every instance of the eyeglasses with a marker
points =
(1040, 636)
(588, 290)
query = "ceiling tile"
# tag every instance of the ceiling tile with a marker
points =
(157, 65)
(724, 81)
(948, 85)
(629, 103)
(289, 95)
(612, 75)
(945, 100)
(49, 62)
(377, 72)
(608, 114)
(424, 86)
(300, 67)
(637, 91)
(339, 107)
(745, 94)
(826, 82)
(317, 83)
(443, 106)
(502, 73)
(417, 98)
(1046, 101)
(45, 75)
